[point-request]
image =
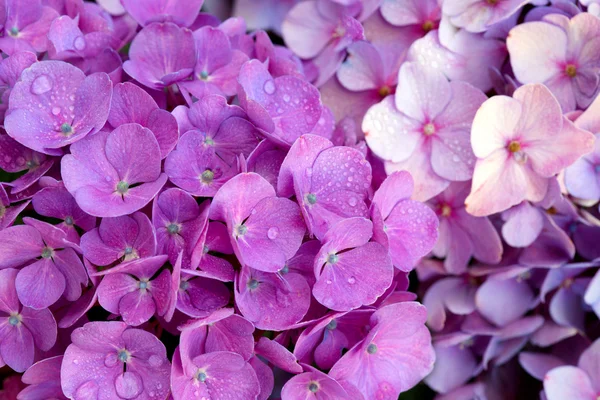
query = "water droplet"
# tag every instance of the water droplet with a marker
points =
(111, 360)
(129, 385)
(269, 87)
(352, 280)
(79, 43)
(41, 85)
(272, 233)
(286, 98)
(55, 110)
(352, 201)
(155, 360)
(328, 282)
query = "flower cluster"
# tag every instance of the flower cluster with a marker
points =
(189, 209)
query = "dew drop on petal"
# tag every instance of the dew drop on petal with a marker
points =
(155, 360)
(272, 233)
(111, 360)
(269, 87)
(55, 110)
(352, 201)
(79, 43)
(352, 280)
(129, 385)
(41, 85)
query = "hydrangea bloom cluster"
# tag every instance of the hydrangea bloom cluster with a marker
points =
(225, 199)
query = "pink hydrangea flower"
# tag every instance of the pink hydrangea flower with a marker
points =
(560, 53)
(65, 105)
(479, 15)
(426, 135)
(25, 26)
(23, 329)
(395, 355)
(108, 360)
(114, 173)
(521, 142)
(43, 379)
(422, 14)
(8, 211)
(10, 72)
(181, 12)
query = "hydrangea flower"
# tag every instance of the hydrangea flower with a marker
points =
(121, 168)
(65, 105)
(10, 72)
(23, 329)
(480, 15)
(315, 171)
(426, 135)
(282, 108)
(520, 142)
(50, 268)
(565, 60)
(135, 290)
(108, 360)
(160, 55)
(9, 212)
(25, 26)
(43, 379)
(182, 12)
(265, 230)
(396, 355)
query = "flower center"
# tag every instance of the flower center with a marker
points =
(209, 141)
(184, 285)
(241, 230)
(31, 164)
(204, 75)
(372, 348)
(143, 285)
(429, 129)
(66, 129)
(14, 319)
(69, 221)
(446, 210)
(2, 210)
(201, 375)
(122, 187)
(14, 31)
(207, 177)
(173, 228)
(384, 90)
(313, 387)
(332, 258)
(514, 146)
(311, 198)
(253, 284)
(124, 355)
(332, 325)
(284, 270)
(427, 26)
(47, 252)
(492, 2)
(571, 70)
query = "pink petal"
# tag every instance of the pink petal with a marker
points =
(568, 382)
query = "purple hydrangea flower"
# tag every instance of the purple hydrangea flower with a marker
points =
(114, 173)
(108, 360)
(182, 12)
(265, 230)
(54, 104)
(9, 212)
(316, 172)
(43, 379)
(25, 26)
(10, 72)
(23, 329)
(421, 15)
(160, 55)
(50, 268)
(480, 15)
(119, 238)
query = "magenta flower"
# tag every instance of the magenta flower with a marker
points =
(316, 171)
(254, 293)
(179, 222)
(181, 12)
(282, 108)
(429, 136)
(265, 230)
(114, 173)
(131, 104)
(132, 290)
(218, 65)
(520, 143)
(23, 329)
(315, 383)
(160, 55)
(393, 357)
(455, 295)
(423, 15)
(324, 341)
(14, 157)
(200, 293)
(50, 267)
(56, 202)
(504, 300)
(580, 382)
(461, 235)
(68, 42)
(479, 15)
(10, 72)
(25, 26)
(43, 379)
(54, 104)
(108, 360)
(409, 229)
(342, 281)
(8, 211)
(263, 14)
(119, 238)
(561, 54)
